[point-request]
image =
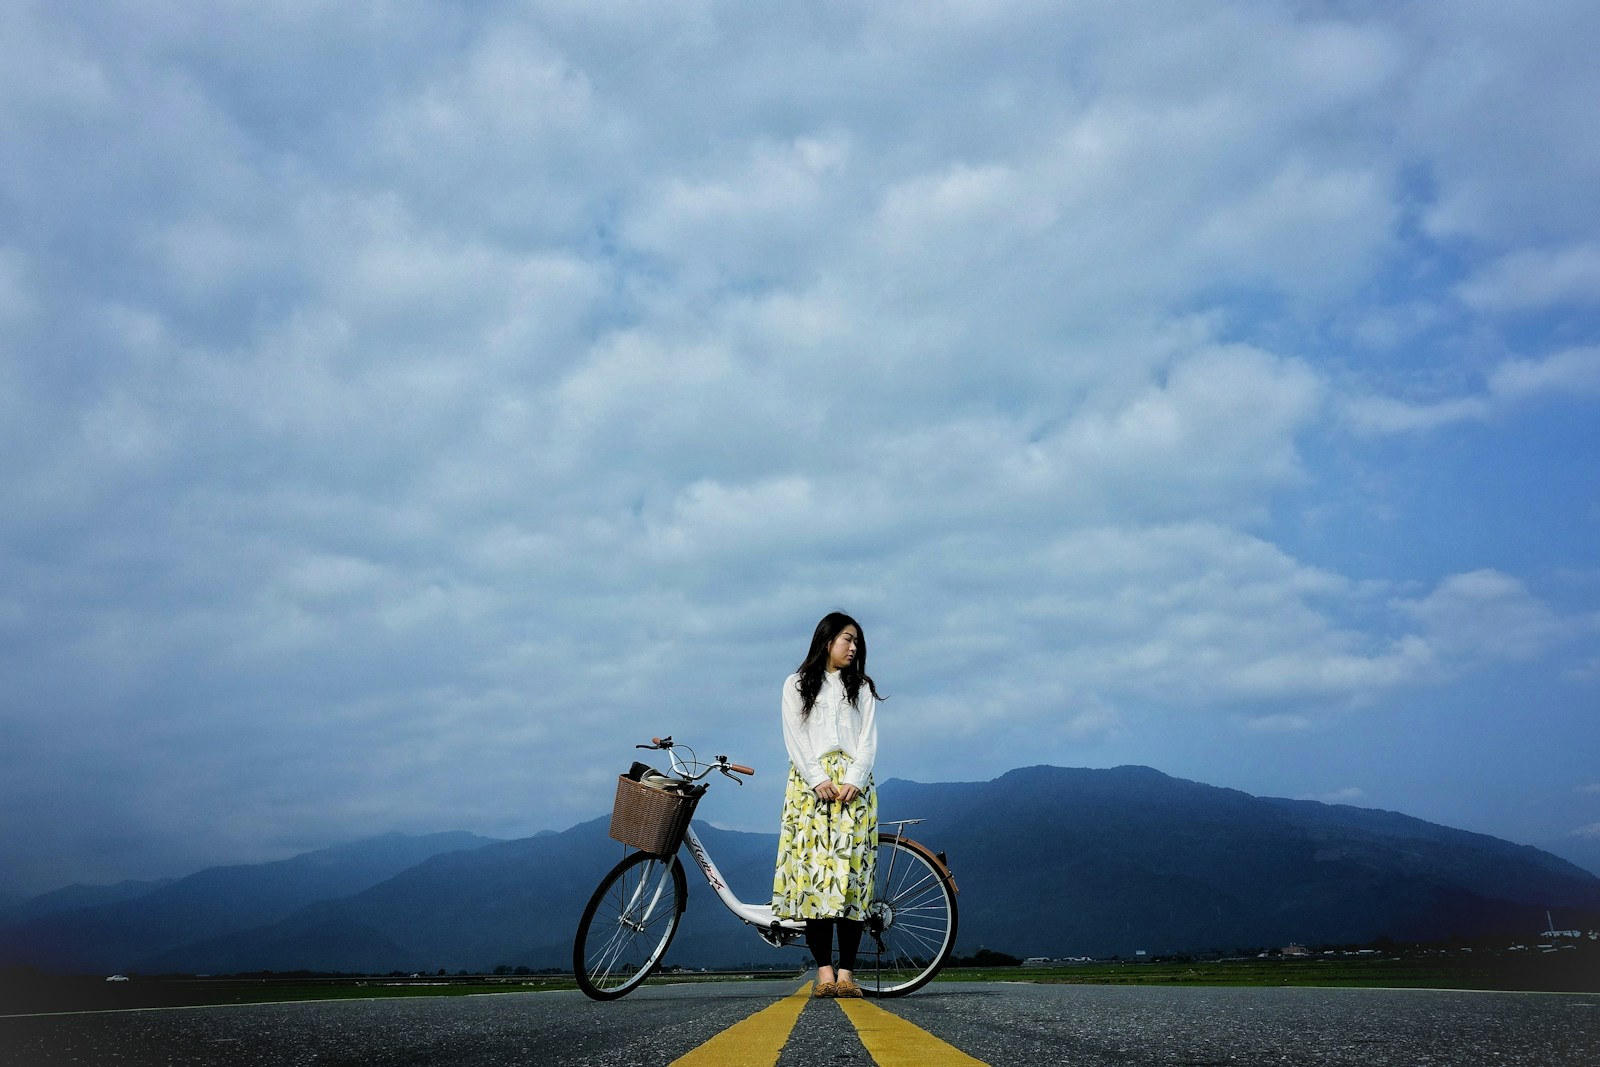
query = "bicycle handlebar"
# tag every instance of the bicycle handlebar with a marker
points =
(721, 764)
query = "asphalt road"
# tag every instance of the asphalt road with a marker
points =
(1001, 1024)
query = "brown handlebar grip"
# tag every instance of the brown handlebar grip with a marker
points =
(655, 740)
(741, 768)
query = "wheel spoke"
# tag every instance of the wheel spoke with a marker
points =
(628, 925)
(913, 929)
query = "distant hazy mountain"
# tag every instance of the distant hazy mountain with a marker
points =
(515, 903)
(112, 936)
(1050, 861)
(1581, 849)
(1120, 860)
(74, 897)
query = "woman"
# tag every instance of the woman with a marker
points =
(827, 843)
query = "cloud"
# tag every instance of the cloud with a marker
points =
(1494, 91)
(1486, 615)
(1385, 415)
(1571, 374)
(1530, 279)
(1279, 724)
(1574, 372)
(400, 409)
(16, 300)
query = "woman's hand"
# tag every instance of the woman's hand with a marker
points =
(827, 792)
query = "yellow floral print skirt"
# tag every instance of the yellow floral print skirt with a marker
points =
(827, 853)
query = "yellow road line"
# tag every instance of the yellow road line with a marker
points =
(756, 1041)
(893, 1042)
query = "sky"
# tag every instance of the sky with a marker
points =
(406, 407)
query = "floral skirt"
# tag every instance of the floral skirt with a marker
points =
(827, 853)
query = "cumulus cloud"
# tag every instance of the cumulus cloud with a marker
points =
(1494, 92)
(403, 410)
(1486, 614)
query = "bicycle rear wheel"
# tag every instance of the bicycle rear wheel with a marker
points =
(911, 923)
(628, 924)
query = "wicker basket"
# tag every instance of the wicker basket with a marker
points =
(652, 820)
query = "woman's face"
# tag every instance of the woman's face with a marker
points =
(843, 649)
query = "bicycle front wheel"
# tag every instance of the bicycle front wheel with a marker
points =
(628, 924)
(911, 923)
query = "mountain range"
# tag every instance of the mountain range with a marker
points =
(1050, 861)
(127, 925)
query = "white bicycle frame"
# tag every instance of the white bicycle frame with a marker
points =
(775, 931)
(629, 922)
(757, 915)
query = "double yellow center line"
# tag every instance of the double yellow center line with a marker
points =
(758, 1040)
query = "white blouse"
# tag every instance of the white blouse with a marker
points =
(833, 725)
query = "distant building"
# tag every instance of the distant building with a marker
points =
(1292, 949)
(1552, 933)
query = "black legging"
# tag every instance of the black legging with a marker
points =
(819, 939)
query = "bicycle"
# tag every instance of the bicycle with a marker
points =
(631, 918)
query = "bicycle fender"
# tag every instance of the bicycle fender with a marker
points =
(937, 859)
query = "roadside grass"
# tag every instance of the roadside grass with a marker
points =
(32, 993)
(49, 994)
(1571, 972)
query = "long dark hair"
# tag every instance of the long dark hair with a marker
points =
(852, 674)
